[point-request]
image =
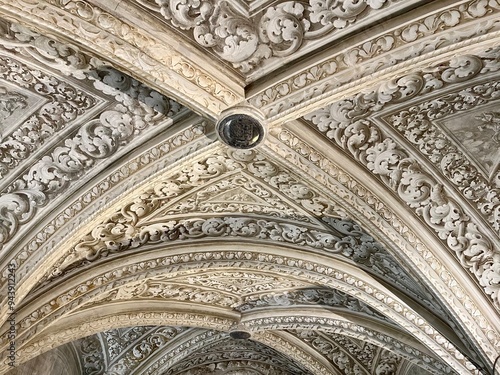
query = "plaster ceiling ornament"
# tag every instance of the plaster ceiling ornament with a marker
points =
(135, 350)
(428, 196)
(97, 138)
(361, 235)
(278, 32)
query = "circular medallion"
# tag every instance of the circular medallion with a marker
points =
(240, 131)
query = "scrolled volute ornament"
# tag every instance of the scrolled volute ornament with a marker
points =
(390, 162)
(462, 68)
(184, 14)
(283, 27)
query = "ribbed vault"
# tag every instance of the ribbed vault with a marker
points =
(360, 237)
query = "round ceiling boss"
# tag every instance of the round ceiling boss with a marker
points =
(240, 131)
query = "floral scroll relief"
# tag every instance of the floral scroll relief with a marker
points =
(280, 31)
(48, 51)
(65, 104)
(346, 124)
(224, 352)
(95, 141)
(340, 332)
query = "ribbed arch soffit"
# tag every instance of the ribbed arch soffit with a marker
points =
(170, 350)
(405, 171)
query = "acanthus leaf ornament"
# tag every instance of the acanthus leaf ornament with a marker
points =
(94, 141)
(393, 165)
(279, 32)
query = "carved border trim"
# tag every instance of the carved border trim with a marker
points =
(157, 64)
(347, 188)
(426, 38)
(129, 174)
(321, 273)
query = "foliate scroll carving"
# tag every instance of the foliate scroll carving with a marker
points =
(161, 288)
(388, 364)
(101, 324)
(128, 229)
(317, 273)
(231, 350)
(340, 237)
(64, 104)
(346, 124)
(91, 355)
(418, 124)
(341, 334)
(65, 58)
(132, 171)
(117, 237)
(243, 283)
(235, 367)
(342, 359)
(110, 35)
(280, 31)
(310, 296)
(239, 194)
(129, 348)
(384, 52)
(302, 155)
(96, 140)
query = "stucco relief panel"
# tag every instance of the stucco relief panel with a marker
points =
(16, 105)
(477, 133)
(348, 125)
(281, 30)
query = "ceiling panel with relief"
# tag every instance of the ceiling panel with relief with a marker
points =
(361, 236)
(258, 37)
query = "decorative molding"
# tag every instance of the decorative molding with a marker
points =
(223, 354)
(161, 288)
(305, 327)
(342, 185)
(437, 33)
(62, 104)
(127, 47)
(243, 282)
(425, 126)
(350, 357)
(312, 271)
(118, 320)
(127, 176)
(171, 355)
(130, 348)
(129, 228)
(96, 140)
(335, 236)
(280, 31)
(310, 297)
(396, 168)
(92, 355)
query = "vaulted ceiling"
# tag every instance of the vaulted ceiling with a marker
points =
(361, 236)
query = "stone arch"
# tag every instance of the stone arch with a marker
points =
(283, 261)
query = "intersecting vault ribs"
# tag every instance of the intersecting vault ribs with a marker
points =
(369, 106)
(240, 128)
